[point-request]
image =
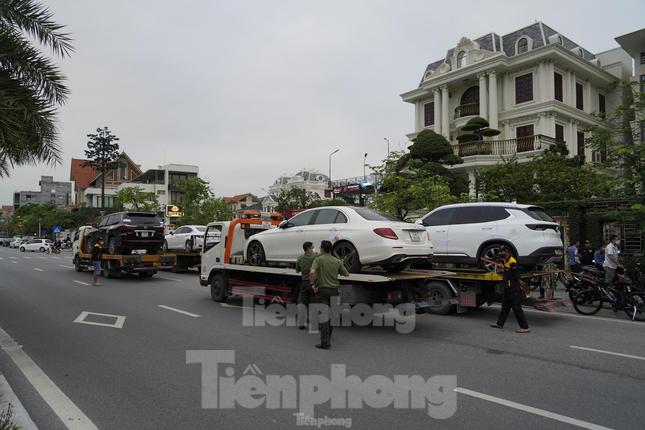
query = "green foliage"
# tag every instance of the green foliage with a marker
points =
(215, 209)
(31, 85)
(134, 198)
(620, 138)
(479, 129)
(6, 420)
(102, 153)
(404, 189)
(295, 198)
(329, 202)
(25, 219)
(549, 177)
(199, 204)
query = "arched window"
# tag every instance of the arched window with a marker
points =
(522, 45)
(461, 59)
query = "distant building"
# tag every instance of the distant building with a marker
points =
(58, 193)
(82, 176)
(125, 171)
(634, 44)
(269, 203)
(310, 180)
(163, 182)
(241, 201)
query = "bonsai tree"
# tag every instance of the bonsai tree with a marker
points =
(478, 128)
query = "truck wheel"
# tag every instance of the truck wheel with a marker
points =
(219, 291)
(439, 295)
(113, 247)
(188, 247)
(77, 264)
(255, 254)
(347, 253)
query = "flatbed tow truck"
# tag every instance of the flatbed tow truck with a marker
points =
(146, 265)
(225, 272)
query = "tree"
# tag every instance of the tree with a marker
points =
(31, 86)
(327, 202)
(621, 142)
(102, 153)
(295, 198)
(135, 198)
(215, 209)
(403, 189)
(26, 219)
(194, 192)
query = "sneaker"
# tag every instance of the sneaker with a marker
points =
(522, 330)
(321, 346)
(496, 326)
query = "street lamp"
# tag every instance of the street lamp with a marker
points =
(364, 166)
(388, 146)
(330, 167)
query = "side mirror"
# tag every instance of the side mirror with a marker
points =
(172, 232)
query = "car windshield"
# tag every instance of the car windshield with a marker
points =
(134, 218)
(372, 215)
(538, 213)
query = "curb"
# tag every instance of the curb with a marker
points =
(20, 416)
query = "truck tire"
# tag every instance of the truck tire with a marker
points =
(219, 291)
(438, 295)
(188, 247)
(113, 246)
(77, 264)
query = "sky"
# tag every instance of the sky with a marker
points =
(251, 90)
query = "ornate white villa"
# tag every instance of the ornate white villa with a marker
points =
(534, 84)
(309, 179)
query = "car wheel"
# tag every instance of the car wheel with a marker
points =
(22, 249)
(255, 255)
(219, 291)
(77, 264)
(347, 253)
(490, 252)
(41, 249)
(439, 296)
(113, 248)
(188, 247)
(164, 247)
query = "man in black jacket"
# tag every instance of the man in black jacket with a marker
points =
(97, 250)
(513, 293)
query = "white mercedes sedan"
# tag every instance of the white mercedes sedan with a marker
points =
(361, 237)
(186, 237)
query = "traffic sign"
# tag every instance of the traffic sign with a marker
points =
(56, 229)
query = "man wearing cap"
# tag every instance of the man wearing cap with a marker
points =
(513, 293)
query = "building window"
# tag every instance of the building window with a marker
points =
(643, 131)
(601, 104)
(580, 137)
(559, 133)
(642, 83)
(557, 86)
(643, 57)
(524, 88)
(524, 136)
(522, 45)
(428, 113)
(161, 192)
(579, 96)
(461, 59)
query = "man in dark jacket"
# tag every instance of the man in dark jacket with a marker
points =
(97, 251)
(513, 293)
(586, 254)
(306, 293)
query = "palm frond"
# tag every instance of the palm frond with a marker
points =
(36, 20)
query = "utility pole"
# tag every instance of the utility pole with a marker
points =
(388, 146)
(330, 186)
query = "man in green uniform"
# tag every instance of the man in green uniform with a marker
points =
(306, 293)
(324, 278)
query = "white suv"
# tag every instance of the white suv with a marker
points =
(464, 233)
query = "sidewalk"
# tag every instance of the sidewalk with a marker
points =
(20, 416)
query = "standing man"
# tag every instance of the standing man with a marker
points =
(611, 259)
(306, 293)
(572, 256)
(599, 256)
(513, 293)
(97, 250)
(324, 278)
(586, 255)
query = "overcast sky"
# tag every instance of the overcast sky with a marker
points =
(249, 90)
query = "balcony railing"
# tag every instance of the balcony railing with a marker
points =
(505, 147)
(469, 109)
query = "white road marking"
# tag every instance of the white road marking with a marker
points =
(38, 269)
(602, 351)
(169, 279)
(42, 258)
(81, 282)
(14, 258)
(531, 409)
(118, 322)
(71, 416)
(14, 261)
(179, 311)
(56, 258)
(568, 315)
(1, 258)
(67, 267)
(27, 258)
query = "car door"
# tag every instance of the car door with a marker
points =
(176, 240)
(325, 227)
(32, 245)
(286, 243)
(471, 226)
(437, 223)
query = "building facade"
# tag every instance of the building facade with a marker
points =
(243, 201)
(310, 180)
(56, 192)
(634, 44)
(535, 85)
(125, 170)
(163, 182)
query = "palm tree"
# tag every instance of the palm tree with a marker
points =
(31, 85)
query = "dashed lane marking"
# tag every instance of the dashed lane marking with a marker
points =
(81, 282)
(602, 351)
(38, 269)
(179, 311)
(66, 267)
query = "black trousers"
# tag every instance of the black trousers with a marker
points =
(325, 296)
(305, 296)
(512, 300)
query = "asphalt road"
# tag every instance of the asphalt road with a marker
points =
(137, 377)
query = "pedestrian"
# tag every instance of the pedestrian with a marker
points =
(324, 279)
(305, 293)
(97, 251)
(513, 293)
(586, 255)
(573, 256)
(611, 259)
(599, 256)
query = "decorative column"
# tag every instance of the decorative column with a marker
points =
(587, 97)
(572, 89)
(492, 91)
(506, 130)
(572, 143)
(472, 182)
(548, 82)
(445, 121)
(437, 111)
(483, 99)
(507, 91)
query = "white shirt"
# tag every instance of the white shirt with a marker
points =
(610, 250)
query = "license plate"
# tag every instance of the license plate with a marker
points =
(415, 236)
(144, 233)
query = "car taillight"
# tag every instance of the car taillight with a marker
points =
(387, 233)
(542, 227)
(126, 226)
